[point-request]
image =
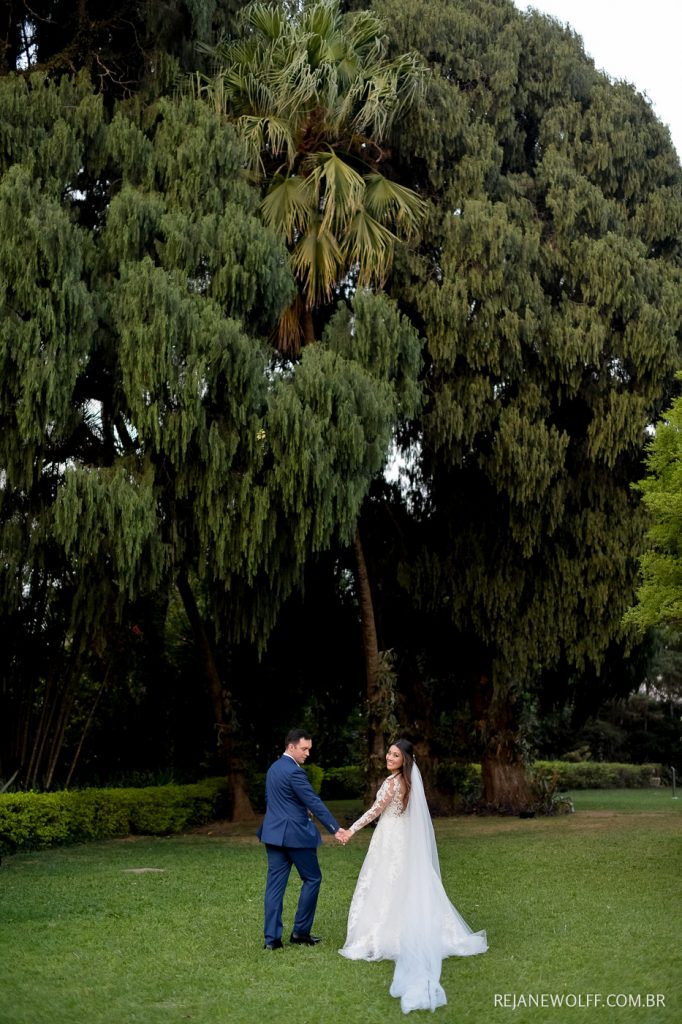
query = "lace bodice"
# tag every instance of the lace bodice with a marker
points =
(388, 801)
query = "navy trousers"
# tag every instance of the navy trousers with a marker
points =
(280, 861)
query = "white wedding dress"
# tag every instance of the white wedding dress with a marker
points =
(400, 910)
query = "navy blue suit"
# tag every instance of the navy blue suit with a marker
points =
(291, 838)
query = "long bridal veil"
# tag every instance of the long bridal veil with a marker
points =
(431, 927)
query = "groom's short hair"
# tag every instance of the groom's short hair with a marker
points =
(294, 735)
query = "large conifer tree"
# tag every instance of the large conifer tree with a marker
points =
(147, 437)
(548, 290)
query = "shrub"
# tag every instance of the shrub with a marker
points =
(453, 777)
(598, 774)
(315, 776)
(458, 778)
(34, 820)
(255, 784)
(343, 783)
(545, 798)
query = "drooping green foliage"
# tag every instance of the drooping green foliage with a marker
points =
(147, 436)
(550, 301)
(548, 291)
(327, 434)
(122, 348)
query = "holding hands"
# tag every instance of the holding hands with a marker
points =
(343, 835)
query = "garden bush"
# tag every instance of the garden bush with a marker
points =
(315, 776)
(599, 774)
(343, 783)
(34, 820)
(256, 785)
(457, 778)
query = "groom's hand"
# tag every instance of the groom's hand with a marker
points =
(343, 835)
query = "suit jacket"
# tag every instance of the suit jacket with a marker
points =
(289, 796)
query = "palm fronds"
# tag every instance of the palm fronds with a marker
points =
(314, 96)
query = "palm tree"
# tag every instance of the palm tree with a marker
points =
(313, 94)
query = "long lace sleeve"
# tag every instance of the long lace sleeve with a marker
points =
(385, 795)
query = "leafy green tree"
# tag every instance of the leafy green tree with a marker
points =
(101, 216)
(660, 592)
(148, 440)
(548, 291)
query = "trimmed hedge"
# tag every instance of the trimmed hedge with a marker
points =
(256, 784)
(464, 779)
(34, 820)
(599, 774)
(343, 783)
(458, 778)
(315, 776)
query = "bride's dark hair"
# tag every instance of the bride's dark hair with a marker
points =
(407, 750)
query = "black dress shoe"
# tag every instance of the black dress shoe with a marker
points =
(304, 939)
(275, 944)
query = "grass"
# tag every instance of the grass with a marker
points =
(627, 800)
(580, 904)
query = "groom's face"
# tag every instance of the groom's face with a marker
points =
(299, 751)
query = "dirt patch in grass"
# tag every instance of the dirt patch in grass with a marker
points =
(227, 829)
(469, 825)
(142, 871)
(244, 831)
(580, 821)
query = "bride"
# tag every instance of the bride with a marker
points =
(400, 910)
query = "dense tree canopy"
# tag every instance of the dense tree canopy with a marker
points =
(152, 440)
(548, 290)
(125, 47)
(147, 436)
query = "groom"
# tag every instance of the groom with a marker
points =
(291, 838)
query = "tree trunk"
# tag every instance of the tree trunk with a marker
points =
(40, 733)
(18, 739)
(308, 327)
(240, 804)
(60, 730)
(503, 773)
(505, 786)
(86, 727)
(49, 736)
(370, 646)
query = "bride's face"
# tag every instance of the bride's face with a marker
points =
(394, 758)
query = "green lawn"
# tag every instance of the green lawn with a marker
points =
(627, 799)
(582, 904)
